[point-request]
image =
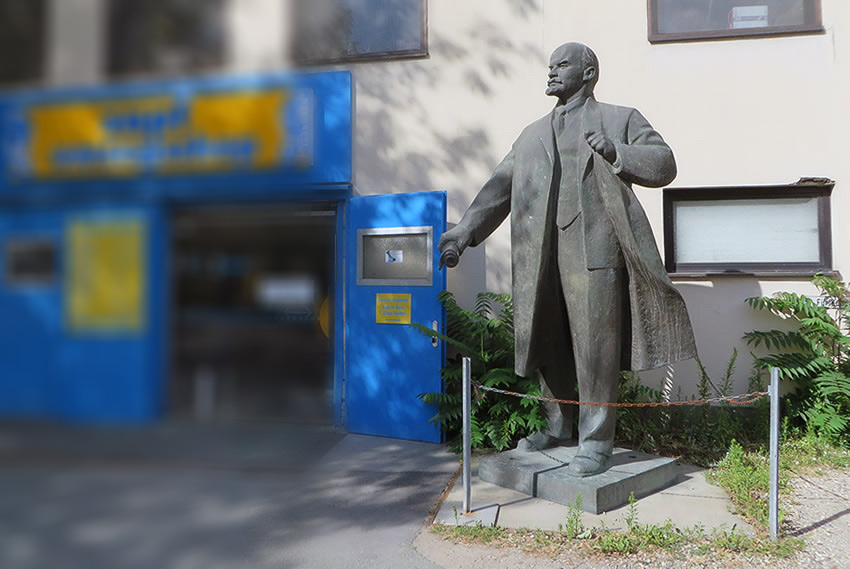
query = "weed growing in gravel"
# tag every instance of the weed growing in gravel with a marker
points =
(637, 538)
(809, 453)
(574, 528)
(618, 542)
(746, 475)
(747, 478)
(733, 540)
(477, 532)
(631, 515)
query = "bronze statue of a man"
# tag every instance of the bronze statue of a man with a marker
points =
(591, 296)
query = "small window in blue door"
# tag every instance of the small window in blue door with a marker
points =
(399, 256)
(29, 261)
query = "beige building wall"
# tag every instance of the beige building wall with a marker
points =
(736, 112)
(75, 42)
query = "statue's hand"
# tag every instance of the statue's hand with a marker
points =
(451, 245)
(602, 145)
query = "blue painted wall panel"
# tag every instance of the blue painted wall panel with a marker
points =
(50, 371)
(30, 327)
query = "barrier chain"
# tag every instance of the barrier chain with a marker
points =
(745, 399)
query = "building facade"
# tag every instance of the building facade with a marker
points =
(750, 95)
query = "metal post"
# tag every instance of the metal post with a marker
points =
(467, 435)
(773, 506)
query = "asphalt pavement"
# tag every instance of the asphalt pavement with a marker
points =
(188, 497)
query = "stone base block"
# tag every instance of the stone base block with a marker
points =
(543, 474)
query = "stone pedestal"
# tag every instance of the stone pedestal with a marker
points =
(543, 474)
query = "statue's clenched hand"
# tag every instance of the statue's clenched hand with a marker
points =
(602, 145)
(451, 245)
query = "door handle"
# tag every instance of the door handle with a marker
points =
(435, 326)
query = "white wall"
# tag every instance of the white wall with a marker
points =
(75, 50)
(256, 34)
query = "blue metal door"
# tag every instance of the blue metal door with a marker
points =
(392, 278)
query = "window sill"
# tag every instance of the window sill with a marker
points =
(761, 274)
(720, 35)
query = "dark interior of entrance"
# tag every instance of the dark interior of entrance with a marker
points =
(252, 327)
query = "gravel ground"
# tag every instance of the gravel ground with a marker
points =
(820, 514)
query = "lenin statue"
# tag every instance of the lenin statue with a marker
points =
(591, 295)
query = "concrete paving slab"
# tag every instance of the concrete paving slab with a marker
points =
(451, 514)
(690, 501)
(544, 474)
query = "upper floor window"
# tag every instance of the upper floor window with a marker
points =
(675, 20)
(344, 30)
(21, 40)
(164, 36)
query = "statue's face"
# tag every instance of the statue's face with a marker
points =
(567, 74)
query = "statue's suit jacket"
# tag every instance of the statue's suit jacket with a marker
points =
(525, 184)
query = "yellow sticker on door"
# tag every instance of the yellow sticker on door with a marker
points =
(392, 308)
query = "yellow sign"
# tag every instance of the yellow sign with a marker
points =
(392, 308)
(106, 287)
(325, 318)
(196, 132)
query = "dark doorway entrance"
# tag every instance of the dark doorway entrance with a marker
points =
(251, 334)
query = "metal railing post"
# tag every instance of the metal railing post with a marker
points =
(773, 506)
(467, 435)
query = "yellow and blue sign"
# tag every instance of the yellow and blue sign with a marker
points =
(202, 132)
(274, 131)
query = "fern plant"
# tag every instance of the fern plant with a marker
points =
(485, 335)
(816, 356)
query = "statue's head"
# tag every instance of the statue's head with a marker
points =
(573, 69)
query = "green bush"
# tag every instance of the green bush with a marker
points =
(700, 433)
(486, 335)
(815, 356)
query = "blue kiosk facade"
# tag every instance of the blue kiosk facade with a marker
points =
(95, 188)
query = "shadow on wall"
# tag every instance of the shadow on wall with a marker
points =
(720, 317)
(446, 121)
(402, 145)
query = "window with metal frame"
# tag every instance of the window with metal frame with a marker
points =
(675, 20)
(755, 230)
(331, 31)
(22, 40)
(29, 261)
(164, 36)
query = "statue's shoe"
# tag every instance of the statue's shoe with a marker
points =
(539, 441)
(588, 463)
